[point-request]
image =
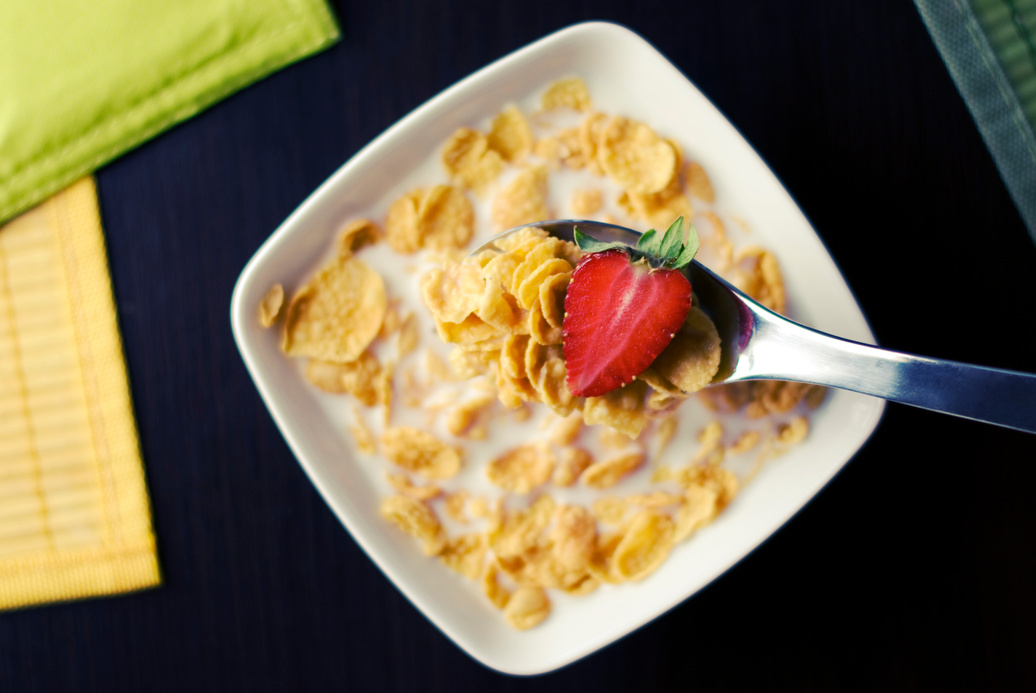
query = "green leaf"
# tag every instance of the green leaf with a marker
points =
(689, 249)
(646, 240)
(672, 243)
(650, 242)
(589, 244)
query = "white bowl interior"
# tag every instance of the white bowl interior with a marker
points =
(625, 75)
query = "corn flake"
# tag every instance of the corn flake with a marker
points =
(522, 469)
(776, 397)
(358, 234)
(528, 291)
(465, 554)
(455, 504)
(337, 314)
(572, 462)
(523, 200)
(452, 294)
(416, 519)
(465, 419)
(612, 439)
(658, 209)
(622, 409)
(585, 203)
(420, 452)
(570, 92)
(608, 472)
(610, 509)
(693, 357)
(760, 277)
(635, 157)
(470, 162)
(401, 223)
(445, 219)
(358, 378)
(709, 437)
(664, 433)
(552, 298)
(270, 305)
(699, 508)
(699, 184)
(565, 429)
(794, 431)
(574, 541)
(403, 484)
(600, 567)
(365, 442)
(527, 607)
(542, 332)
(589, 136)
(494, 591)
(510, 135)
(517, 534)
(745, 442)
(644, 546)
(408, 338)
(655, 499)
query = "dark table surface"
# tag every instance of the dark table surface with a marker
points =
(913, 569)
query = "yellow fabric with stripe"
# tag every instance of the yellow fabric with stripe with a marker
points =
(74, 512)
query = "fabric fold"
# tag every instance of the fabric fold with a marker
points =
(83, 82)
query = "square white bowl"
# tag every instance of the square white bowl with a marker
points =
(625, 75)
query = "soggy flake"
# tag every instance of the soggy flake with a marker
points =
(698, 183)
(445, 218)
(357, 234)
(510, 135)
(570, 92)
(692, 359)
(405, 486)
(644, 546)
(401, 223)
(470, 162)
(635, 157)
(610, 471)
(523, 200)
(420, 452)
(527, 607)
(465, 554)
(270, 305)
(622, 409)
(416, 519)
(586, 203)
(522, 469)
(337, 314)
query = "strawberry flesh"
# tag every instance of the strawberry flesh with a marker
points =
(619, 316)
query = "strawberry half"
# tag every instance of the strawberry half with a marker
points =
(623, 307)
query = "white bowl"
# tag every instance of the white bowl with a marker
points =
(625, 75)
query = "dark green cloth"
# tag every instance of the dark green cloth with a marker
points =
(989, 49)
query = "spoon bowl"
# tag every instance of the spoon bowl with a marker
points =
(759, 344)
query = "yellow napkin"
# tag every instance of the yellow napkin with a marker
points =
(74, 513)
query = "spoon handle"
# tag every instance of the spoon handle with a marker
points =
(991, 395)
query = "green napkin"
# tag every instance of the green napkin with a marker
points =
(83, 82)
(990, 50)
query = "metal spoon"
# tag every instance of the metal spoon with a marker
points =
(758, 344)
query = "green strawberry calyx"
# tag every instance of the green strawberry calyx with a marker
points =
(662, 251)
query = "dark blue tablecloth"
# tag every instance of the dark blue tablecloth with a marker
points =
(913, 569)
